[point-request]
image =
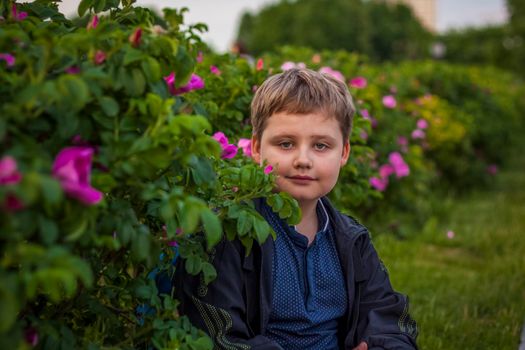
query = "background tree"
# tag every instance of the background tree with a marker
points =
(380, 30)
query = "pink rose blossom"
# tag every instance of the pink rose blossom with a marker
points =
(135, 37)
(31, 336)
(492, 169)
(402, 141)
(246, 145)
(316, 58)
(386, 170)
(401, 168)
(379, 184)
(8, 58)
(93, 23)
(332, 72)
(365, 114)
(100, 57)
(228, 150)
(422, 124)
(200, 57)
(73, 70)
(288, 65)
(195, 83)
(17, 16)
(260, 64)
(363, 135)
(358, 83)
(72, 167)
(12, 203)
(389, 101)
(215, 70)
(418, 134)
(268, 169)
(450, 234)
(9, 174)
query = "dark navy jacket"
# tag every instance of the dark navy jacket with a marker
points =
(234, 309)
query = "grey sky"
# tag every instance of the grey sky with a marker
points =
(223, 16)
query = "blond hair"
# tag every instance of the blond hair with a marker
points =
(302, 91)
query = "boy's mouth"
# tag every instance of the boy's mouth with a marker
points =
(301, 177)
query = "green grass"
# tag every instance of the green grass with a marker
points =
(467, 292)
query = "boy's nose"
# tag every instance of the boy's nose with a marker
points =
(302, 160)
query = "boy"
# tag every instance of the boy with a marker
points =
(320, 284)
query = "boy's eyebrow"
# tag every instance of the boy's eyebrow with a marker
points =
(319, 136)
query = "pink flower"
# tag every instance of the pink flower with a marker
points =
(450, 234)
(93, 23)
(73, 70)
(386, 170)
(246, 145)
(402, 141)
(9, 174)
(316, 58)
(389, 101)
(422, 124)
(492, 169)
(228, 150)
(17, 16)
(288, 65)
(195, 83)
(72, 167)
(100, 57)
(8, 58)
(365, 114)
(418, 134)
(334, 73)
(12, 203)
(260, 64)
(200, 57)
(268, 169)
(379, 184)
(135, 37)
(363, 135)
(31, 336)
(215, 70)
(358, 83)
(401, 168)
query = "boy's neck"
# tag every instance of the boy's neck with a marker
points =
(309, 222)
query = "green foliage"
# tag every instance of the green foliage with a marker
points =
(380, 30)
(76, 274)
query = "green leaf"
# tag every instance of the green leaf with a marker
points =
(244, 223)
(201, 171)
(262, 229)
(209, 272)
(193, 265)
(84, 6)
(9, 307)
(109, 106)
(151, 68)
(48, 229)
(190, 216)
(76, 227)
(212, 227)
(51, 190)
(276, 202)
(132, 55)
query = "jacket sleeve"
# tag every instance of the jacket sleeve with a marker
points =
(384, 322)
(220, 307)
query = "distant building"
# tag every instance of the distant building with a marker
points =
(425, 10)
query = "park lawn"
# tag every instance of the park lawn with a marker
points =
(467, 292)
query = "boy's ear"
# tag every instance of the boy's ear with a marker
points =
(346, 153)
(256, 149)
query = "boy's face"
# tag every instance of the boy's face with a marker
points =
(307, 151)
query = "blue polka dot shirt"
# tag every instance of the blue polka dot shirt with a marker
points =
(309, 293)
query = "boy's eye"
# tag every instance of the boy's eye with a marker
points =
(285, 145)
(320, 146)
